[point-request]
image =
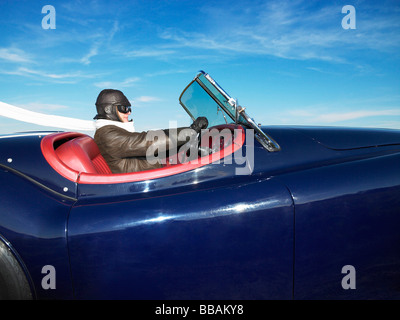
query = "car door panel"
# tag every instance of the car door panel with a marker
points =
(229, 242)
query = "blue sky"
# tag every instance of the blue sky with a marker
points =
(287, 62)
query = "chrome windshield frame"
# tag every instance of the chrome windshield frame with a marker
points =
(239, 115)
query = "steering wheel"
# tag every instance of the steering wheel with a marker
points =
(205, 143)
(203, 150)
(187, 153)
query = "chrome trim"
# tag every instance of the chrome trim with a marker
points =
(266, 141)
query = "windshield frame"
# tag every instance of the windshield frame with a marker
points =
(229, 107)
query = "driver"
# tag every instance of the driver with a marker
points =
(124, 149)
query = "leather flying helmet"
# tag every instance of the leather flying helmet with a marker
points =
(107, 102)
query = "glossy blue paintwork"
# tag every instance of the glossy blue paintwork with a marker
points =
(344, 218)
(329, 198)
(193, 243)
(33, 222)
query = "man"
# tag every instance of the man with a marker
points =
(124, 149)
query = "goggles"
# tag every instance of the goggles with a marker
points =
(124, 109)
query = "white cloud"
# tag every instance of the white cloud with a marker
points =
(147, 99)
(93, 52)
(345, 116)
(148, 52)
(128, 82)
(14, 55)
(291, 30)
(102, 42)
(61, 78)
(317, 116)
(104, 84)
(22, 71)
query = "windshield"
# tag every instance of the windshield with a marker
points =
(198, 103)
(203, 97)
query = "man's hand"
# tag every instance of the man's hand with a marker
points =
(199, 123)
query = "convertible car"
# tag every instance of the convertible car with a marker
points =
(256, 212)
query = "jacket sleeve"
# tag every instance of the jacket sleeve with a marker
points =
(123, 144)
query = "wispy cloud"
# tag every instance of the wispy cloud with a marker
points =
(128, 82)
(147, 99)
(379, 111)
(149, 52)
(95, 43)
(71, 77)
(93, 52)
(291, 30)
(26, 71)
(336, 117)
(143, 101)
(14, 55)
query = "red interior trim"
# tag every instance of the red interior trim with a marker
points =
(49, 143)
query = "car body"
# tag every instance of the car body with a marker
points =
(266, 212)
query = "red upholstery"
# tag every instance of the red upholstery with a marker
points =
(76, 157)
(83, 155)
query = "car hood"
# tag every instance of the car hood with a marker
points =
(338, 138)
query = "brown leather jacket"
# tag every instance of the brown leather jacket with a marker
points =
(126, 151)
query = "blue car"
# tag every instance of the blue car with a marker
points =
(241, 211)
